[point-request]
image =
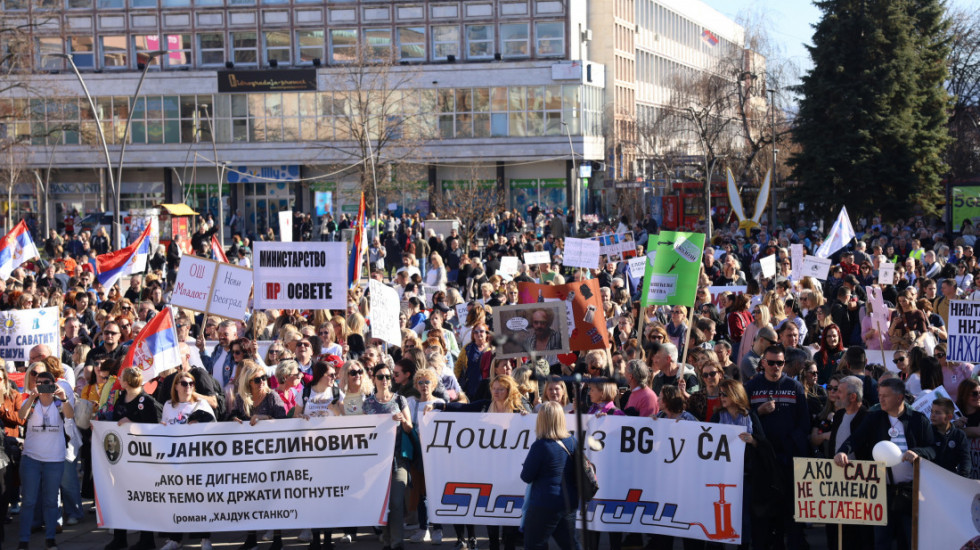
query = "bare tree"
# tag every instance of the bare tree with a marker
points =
(473, 202)
(963, 154)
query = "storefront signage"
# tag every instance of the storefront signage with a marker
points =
(301, 80)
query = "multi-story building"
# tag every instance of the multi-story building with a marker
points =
(518, 94)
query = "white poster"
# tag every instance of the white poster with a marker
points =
(816, 267)
(22, 329)
(224, 476)
(964, 331)
(717, 291)
(232, 287)
(768, 266)
(509, 266)
(923, 403)
(581, 253)
(306, 275)
(886, 273)
(384, 317)
(192, 289)
(949, 509)
(211, 287)
(536, 258)
(694, 490)
(880, 315)
(285, 226)
(637, 267)
(796, 257)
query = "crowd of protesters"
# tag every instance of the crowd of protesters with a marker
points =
(795, 361)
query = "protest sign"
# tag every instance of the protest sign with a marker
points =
(213, 288)
(637, 267)
(227, 476)
(384, 308)
(541, 328)
(441, 228)
(948, 508)
(717, 291)
(581, 253)
(617, 246)
(923, 403)
(694, 492)
(22, 329)
(816, 267)
(796, 255)
(509, 266)
(285, 226)
(672, 277)
(302, 275)
(462, 310)
(582, 302)
(827, 493)
(886, 273)
(963, 344)
(768, 266)
(535, 258)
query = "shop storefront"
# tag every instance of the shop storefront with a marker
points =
(266, 191)
(548, 193)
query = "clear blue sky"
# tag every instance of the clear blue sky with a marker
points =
(788, 21)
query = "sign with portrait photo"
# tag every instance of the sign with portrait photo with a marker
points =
(540, 327)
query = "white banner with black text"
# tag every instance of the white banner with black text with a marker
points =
(281, 474)
(655, 476)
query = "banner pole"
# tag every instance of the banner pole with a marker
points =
(915, 504)
(840, 536)
(690, 321)
(881, 345)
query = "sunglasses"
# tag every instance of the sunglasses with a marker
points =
(423, 382)
(111, 333)
(260, 379)
(775, 363)
(901, 359)
(975, 394)
(304, 345)
(832, 387)
(940, 356)
(187, 384)
(237, 352)
(809, 372)
(710, 374)
(36, 372)
(383, 377)
(355, 372)
(275, 351)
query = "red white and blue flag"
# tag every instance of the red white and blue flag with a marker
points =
(16, 248)
(357, 248)
(217, 253)
(709, 38)
(126, 261)
(155, 349)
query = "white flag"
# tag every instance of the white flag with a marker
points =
(948, 511)
(840, 234)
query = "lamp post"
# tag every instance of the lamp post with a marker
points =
(775, 179)
(576, 190)
(117, 227)
(98, 127)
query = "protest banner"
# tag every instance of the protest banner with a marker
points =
(441, 228)
(816, 267)
(717, 291)
(509, 266)
(285, 226)
(796, 256)
(637, 267)
(695, 491)
(384, 308)
(211, 287)
(225, 476)
(947, 508)
(827, 493)
(540, 328)
(304, 275)
(581, 253)
(585, 317)
(617, 246)
(768, 265)
(672, 277)
(886, 273)
(923, 403)
(536, 258)
(22, 329)
(963, 344)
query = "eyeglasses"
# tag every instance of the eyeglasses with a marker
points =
(423, 382)
(304, 345)
(237, 352)
(124, 325)
(324, 333)
(383, 377)
(182, 326)
(260, 379)
(711, 374)
(186, 383)
(355, 372)
(775, 362)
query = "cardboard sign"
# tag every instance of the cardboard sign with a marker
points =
(768, 266)
(581, 253)
(637, 267)
(826, 493)
(964, 332)
(304, 275)
(538, 329)
(286, 226)
(816, 267)
(384, 303)
(886, 273)
(879, 311)
(536, 258)
(796, 256)
(509, 266)
(582, 304)
(211, 287)
(672, 277)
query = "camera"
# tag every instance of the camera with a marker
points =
(47, 388)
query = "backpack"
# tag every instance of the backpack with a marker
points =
(591, 485)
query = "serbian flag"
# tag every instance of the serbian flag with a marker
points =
(357, 250)
(16, 248)
(126, 261)
(709, 38)
(155, 348)
(217, 253)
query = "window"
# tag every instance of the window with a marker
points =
(143, 44)
(241, 2)
(15, 4)
(211, 48)
(514, 40)
(142, 3)
(479, 41)
(277, 47)
(411, 43)
(109, 4)
(200, 3)
(47, 47)
(81, 4)
(549, 38)
(309, 46)
(179, 50)
(175, 3)
(445, 41)
(244, 48)
(377, 44)
(115, 53)
(343, 45)
(82, 51)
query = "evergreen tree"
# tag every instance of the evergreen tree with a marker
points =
(872, 119)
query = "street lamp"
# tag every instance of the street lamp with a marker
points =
(775, 178)
(98, 126)
(576, 190)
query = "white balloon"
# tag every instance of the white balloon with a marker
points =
(887, 452)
